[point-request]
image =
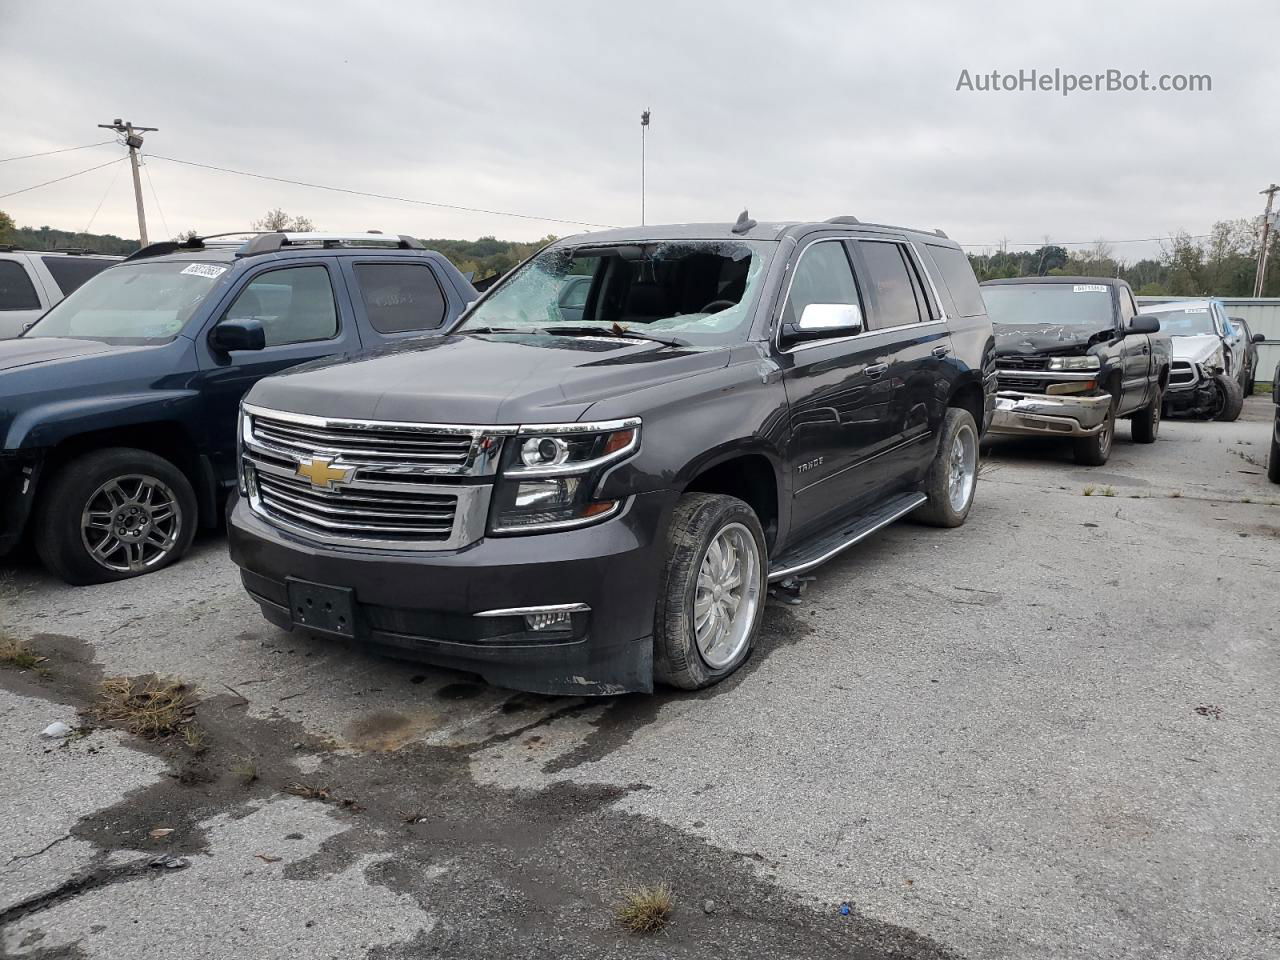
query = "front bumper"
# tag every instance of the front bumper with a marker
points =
(1038, 414)
(423, 605)
(19, 474)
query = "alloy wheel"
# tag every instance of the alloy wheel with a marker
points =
(727, 595)
(962, 470)
(131, 523)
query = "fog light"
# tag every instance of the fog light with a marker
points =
(547, 621)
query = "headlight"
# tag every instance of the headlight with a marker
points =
(1074, 363)
(550, 475)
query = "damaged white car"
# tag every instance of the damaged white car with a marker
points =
(1204, 381)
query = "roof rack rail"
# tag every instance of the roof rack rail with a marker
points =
(273, 242)
(74, 251)
(163, 247)
(844, 219)
(9, 247)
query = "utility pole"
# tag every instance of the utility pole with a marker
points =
(133, 140)
(1259, 282)
(644, 125)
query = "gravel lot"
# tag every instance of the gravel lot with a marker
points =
(1050, 733)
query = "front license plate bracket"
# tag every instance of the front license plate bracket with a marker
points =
(315, 606)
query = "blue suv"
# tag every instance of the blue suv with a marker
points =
(118, 407)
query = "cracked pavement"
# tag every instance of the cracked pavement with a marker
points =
(1048, 734)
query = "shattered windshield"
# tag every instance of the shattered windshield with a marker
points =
(132, 303)
(1186, 322)
(1086, 305)
(695, 292)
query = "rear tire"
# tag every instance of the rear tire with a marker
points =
(1248, 383)
(1232, 398)
(1273, 462)
(713, 540)
(953, 475)
(1095, 450)
(138, 509)
(1146, 422)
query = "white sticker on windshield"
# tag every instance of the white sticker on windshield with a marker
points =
(1196, 310)
(1089, 288)
(212, 271)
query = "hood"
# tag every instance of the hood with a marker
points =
(25, 351)
(482, 379)
(1046, 338)
(1196, 349)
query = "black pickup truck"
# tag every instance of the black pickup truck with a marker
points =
(582, 502)
(118, 408)
(1074, 356)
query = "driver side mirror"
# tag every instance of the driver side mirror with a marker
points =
(1142, 323)
(822, 320)
(241, 333)
(1258, 338)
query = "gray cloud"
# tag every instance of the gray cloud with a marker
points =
(795, 110)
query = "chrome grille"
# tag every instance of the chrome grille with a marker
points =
(1181, 373)
(1023, 384)
(385, 515)
(394, 485)
(1018, 362)
(365, 444)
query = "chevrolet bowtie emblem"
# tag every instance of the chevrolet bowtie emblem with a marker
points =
(322, 473)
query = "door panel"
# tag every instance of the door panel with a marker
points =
(304, 309)
(921, 371)
(1135, 357)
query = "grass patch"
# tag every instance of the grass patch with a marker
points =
(647, 909)
(1174, 494)
(246, 771)
(16, 654)
(1089, 490)
(1108, 491)
(156, 708)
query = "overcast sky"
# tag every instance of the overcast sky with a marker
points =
(793, 110)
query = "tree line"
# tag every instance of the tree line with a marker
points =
(1221, 264)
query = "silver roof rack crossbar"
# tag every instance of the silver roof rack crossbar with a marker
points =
(844, 219)
(273, 242)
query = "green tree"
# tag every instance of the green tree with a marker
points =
(6, 225)
(277, 221)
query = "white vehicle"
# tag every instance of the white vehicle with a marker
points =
(1205, 378)
(32, 281)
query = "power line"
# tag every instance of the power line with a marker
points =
(380, 196)
(152, 184)
(114, 177)
(1081, 243)
(50, 153)
(78, 173)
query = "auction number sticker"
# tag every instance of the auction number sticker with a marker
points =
(1089, 288)
(212, 271)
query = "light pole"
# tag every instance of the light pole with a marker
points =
(644, 126)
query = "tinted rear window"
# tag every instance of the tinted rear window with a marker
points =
(958, 277)
(70, 272)
(16, 291)
(400, 297)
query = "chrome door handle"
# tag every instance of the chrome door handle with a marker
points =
(874, 372)
(940, 352)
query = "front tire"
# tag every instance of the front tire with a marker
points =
(1095, 449)
(953, 475)
(1146, 422)
(1232, 398)
(114, 514)
(711, 596)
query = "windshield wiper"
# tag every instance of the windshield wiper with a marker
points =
(616, 331)
(466, 329)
